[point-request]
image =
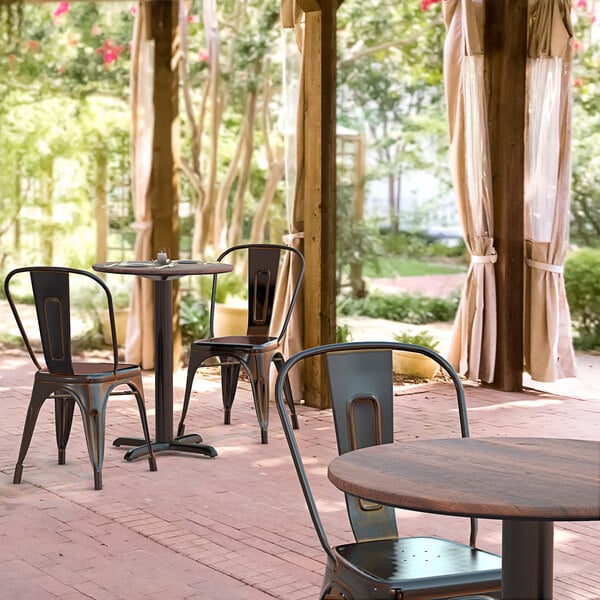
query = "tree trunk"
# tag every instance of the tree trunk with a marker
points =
(262, 211)
(101, 213)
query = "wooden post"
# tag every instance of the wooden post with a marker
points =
(320, 191)
(505, 49)
(164, 187)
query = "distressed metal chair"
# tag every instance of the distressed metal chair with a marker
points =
(260, 344)
(379, 564)
(87, 384)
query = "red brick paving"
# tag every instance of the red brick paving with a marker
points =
(236, 526)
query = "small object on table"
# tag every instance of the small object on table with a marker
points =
(162, 258)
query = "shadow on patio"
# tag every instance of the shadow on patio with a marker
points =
(236, 526)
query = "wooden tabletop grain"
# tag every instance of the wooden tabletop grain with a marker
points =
(503, 478)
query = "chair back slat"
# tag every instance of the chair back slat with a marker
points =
(53, 309)
(263, 268)
(273, 274)
(361, 389)
(52, 288)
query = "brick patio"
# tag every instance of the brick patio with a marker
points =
(236, 526)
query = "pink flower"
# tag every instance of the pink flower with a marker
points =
(578, 82)
(203, 56)
(577, 45)
(60, 10)
(426, 4)
(193, 19)
(582, 4)
(96, 30)
(110, 52)
(33, 46)
(133, 10)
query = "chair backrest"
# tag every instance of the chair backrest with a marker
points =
(51, 288)
(360, 376)
(268, 267)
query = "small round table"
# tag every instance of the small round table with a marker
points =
(163, 276)
(527, 482)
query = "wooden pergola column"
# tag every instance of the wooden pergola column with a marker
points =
(320, 188)
(164, 179)
(505, 50)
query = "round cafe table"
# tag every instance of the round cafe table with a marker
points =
(163, 276)
(527, 482)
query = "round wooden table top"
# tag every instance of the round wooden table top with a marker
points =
(499, 478)
(172, 270)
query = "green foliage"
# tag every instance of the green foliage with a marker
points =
(582, 284)
(406, 308)
(194, 318)
(343, 333)
(421, 338)
(64, 112)
(390, 84)
(585, 198)
(415, 245)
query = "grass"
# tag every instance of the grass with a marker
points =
(408, 267)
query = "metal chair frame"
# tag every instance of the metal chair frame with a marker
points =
(87, 384)
(380, 564)
(259, 347)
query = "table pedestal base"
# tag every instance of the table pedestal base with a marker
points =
(185, 443)
(527, 560)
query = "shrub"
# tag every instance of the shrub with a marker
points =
(407, 308)
(421, 338)
(582, 284)
(194, 317)
(343, 333)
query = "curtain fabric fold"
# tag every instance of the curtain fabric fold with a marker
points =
(139, 348)
(293, 342)
(472, 348)
(548, 350)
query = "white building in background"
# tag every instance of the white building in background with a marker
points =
(426, 206)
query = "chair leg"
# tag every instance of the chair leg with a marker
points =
(93, 409)
(63, 419)
(33, 411)
(145, 428)
(230, 372)
(287, 391)
(258, 367)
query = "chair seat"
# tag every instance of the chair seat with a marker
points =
(92, 371)
(249, 343)
(423, 562)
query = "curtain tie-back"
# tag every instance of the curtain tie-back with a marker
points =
(290, 237)
(141, 225)
(485, 258)
(544, 266)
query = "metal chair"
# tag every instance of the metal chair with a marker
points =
(87, 384)
(379, 563)
(259, 346)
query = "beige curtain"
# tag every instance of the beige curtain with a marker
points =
(548, 351)
(139, 347)
(293, 16)
(473, 343)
